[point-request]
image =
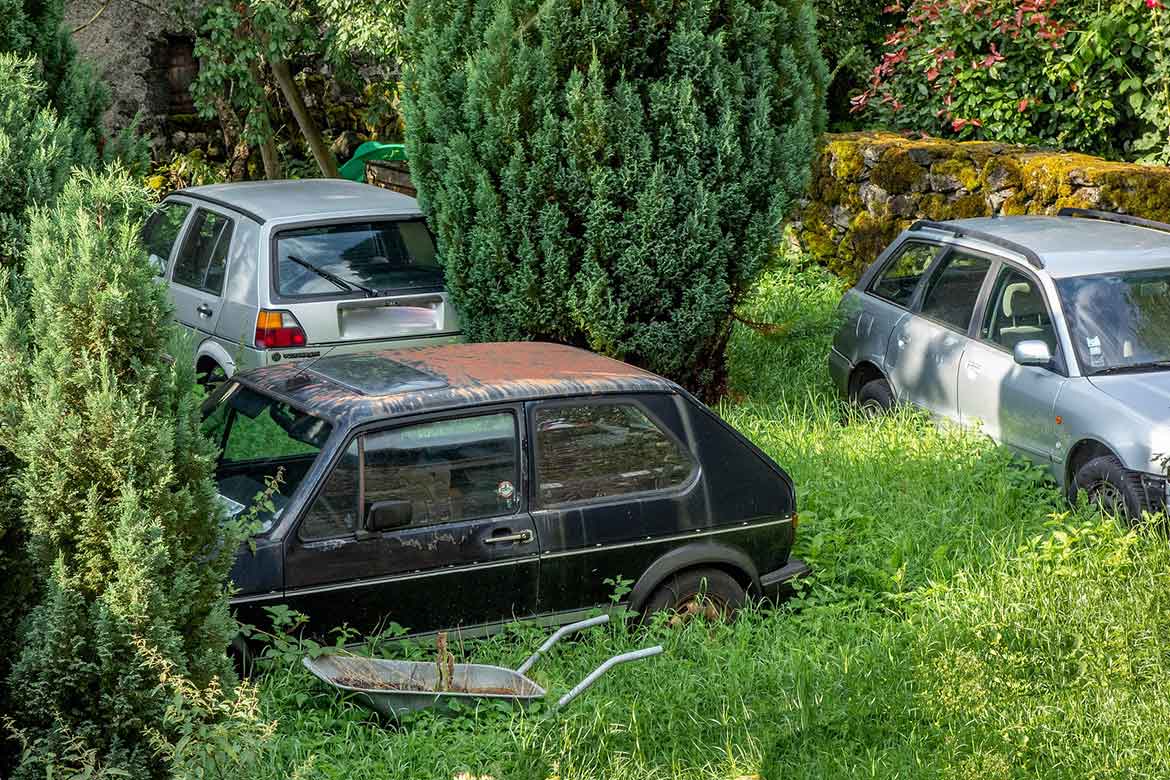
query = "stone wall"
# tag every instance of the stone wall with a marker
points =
(867, 187)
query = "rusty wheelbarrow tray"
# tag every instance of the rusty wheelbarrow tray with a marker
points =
(397, 687)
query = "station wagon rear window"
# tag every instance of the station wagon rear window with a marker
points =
(592, 451)
(360, 258)
(261, 439)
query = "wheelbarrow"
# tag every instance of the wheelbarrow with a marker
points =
(397, 687)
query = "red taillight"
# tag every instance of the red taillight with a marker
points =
(278, 329)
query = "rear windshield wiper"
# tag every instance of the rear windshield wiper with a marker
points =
(1153, 365)
(337, 280)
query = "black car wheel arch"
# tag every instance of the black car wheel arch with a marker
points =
(735, 563)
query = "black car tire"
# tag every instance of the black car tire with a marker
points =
(875, 397)
(715, 593)
(1106, 482)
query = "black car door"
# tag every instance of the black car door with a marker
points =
(613, 487)
(422, 524)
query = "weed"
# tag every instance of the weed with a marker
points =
(961, 622)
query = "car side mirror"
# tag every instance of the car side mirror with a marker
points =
(388, 515)
(1032, 352)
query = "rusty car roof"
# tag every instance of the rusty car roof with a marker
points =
(452, 376)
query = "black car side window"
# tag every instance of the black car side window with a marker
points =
(599, 450)
(334, 511)
(898, 280)
(202, 259)
(446, 470)
(953, 289)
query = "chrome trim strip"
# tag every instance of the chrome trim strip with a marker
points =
(662, 539)
(314, 589)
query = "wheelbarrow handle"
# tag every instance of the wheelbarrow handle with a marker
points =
(579, 688)
(558, 635)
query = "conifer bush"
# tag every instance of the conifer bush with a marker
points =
(116, 496)
(35, 150)
(611, 175)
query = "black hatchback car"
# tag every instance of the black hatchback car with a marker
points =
(464, 486)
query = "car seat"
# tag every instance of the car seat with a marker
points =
(1025, 317)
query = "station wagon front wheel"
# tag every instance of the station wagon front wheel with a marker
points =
(1107, 484)
(708, 594)
(875, 398)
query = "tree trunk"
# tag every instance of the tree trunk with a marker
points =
(271, 158)
(233, 139)
(268, 152)
(308, 127)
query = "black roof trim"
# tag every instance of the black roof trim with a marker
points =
(961, 232)
(222, 204)
(1109, 216)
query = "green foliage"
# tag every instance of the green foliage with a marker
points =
(611, 175)
(960, 624)
(851, 33)
(1074, 74)
(117, 502)
(35, 151)
(35, 28)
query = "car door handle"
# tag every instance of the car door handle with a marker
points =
(204, 310)
(523, 537)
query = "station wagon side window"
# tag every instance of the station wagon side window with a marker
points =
(953, 289)
(202, 259)
(899, 278)
(1017, 312)
(597, 450)
(161, 230)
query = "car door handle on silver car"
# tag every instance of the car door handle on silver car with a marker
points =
(204, 310)
(523, 537)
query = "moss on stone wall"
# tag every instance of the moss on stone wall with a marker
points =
(868, 187)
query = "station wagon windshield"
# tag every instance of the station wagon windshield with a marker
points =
(261, 439)
(384, 256)
(1119, 323)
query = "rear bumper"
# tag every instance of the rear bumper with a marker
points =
(778, 584)
(271, 357)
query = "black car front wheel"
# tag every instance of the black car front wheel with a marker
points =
(710, 594)
(1107, 484)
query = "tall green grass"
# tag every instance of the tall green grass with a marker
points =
(961, 623)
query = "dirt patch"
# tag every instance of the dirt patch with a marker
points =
(370, 684)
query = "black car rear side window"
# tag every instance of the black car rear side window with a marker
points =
(898, 280)
(600, 450)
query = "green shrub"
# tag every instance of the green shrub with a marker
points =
(35, 28)
(611, 175)
(34, 151)
(851, 33)
(116, 495)
(1074, 74)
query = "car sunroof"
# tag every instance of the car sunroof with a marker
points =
(374, 375)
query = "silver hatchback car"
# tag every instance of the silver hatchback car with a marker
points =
(1050, 333)
(276, 271)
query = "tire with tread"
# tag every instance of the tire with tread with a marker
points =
(875, 397)
(1103, 479)
(720, 590)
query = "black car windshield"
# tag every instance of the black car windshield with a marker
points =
(260, 439)
(1119, 322)
(356, 258)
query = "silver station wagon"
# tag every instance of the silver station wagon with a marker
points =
(276, 271)
(1050, 333)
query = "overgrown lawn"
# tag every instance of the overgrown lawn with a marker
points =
(961, 623)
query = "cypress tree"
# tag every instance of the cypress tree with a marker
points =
(115, 490)
(608, 174)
